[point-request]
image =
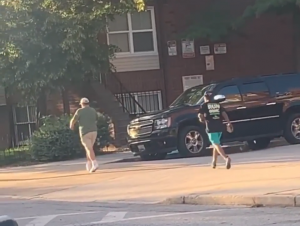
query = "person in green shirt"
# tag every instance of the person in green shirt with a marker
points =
(87, 118)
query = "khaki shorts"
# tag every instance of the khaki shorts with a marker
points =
(88, 140)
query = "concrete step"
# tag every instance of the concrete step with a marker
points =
(108, 103)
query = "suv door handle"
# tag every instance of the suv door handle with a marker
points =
(238, 108)
(271, 103)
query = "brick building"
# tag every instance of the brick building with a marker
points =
(148, 77)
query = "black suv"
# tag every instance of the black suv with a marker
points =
(260, 109)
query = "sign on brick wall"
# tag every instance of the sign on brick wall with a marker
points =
(172, 48)
(220, 48)
(191, 81)
(188, 48)
(210, 63)
(204, 50)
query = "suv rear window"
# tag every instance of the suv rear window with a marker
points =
(255, 91)
(284, 83)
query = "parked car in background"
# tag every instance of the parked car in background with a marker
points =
(260, 109)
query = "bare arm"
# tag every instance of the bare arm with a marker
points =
(201, 114)
(74, 120)
(225, 116)
(201, 118)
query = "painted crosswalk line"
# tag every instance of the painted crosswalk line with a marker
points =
(41, 221)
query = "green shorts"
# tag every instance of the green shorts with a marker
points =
(215, 138)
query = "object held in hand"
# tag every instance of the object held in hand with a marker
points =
(229, 128)
(199, 117)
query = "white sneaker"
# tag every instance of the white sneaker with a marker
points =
(94, 167)
(88, 166)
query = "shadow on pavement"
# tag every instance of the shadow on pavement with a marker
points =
(232, 149)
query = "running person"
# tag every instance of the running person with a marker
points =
(87, 118)
(211, 114)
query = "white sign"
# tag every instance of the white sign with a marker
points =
(188, 48)
(220, 48)
(210, 63)
(191, 81)
(204, 50)
(172, 48)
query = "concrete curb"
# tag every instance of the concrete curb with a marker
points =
(244, 200)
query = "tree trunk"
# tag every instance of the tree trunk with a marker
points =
(65, 100)
(41, 107)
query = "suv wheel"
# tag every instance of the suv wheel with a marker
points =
(260, 143)
(192, 141)
(153, 156)
(292, 129)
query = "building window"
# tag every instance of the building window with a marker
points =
(25, 123)
(134, 34)
(150, 101)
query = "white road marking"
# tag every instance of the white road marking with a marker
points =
(113, 217)
(41, 221)
(162, 215)
(58, 215)
(152, 216)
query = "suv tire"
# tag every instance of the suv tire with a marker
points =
(288, 134)
(258, 144)
(182, 140)
(153, 156)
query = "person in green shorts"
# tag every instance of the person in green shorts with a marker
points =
(87, 118)
(211, 113)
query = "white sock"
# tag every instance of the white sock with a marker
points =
(88, 165)
(95, 163)
(94, 167)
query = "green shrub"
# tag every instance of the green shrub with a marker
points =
(54, 141)
(103, 136)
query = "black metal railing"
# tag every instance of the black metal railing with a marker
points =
(133, 103)
(150, 101)
(127, 101)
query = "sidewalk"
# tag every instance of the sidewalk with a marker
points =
(191, 181)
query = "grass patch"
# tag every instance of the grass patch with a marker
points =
(15, 155)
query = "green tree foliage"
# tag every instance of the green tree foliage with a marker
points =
(213, 23)
(46, 43)
(261, 7)
(277, 7)
(217, 22)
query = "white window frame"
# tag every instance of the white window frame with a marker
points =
(130, 32)
(16, 123)
(144, 93)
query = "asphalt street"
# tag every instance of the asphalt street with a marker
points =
(50, 213)
(76, 198)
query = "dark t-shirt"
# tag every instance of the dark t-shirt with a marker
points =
(212, 113)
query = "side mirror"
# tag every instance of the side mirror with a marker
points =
(219, 98)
